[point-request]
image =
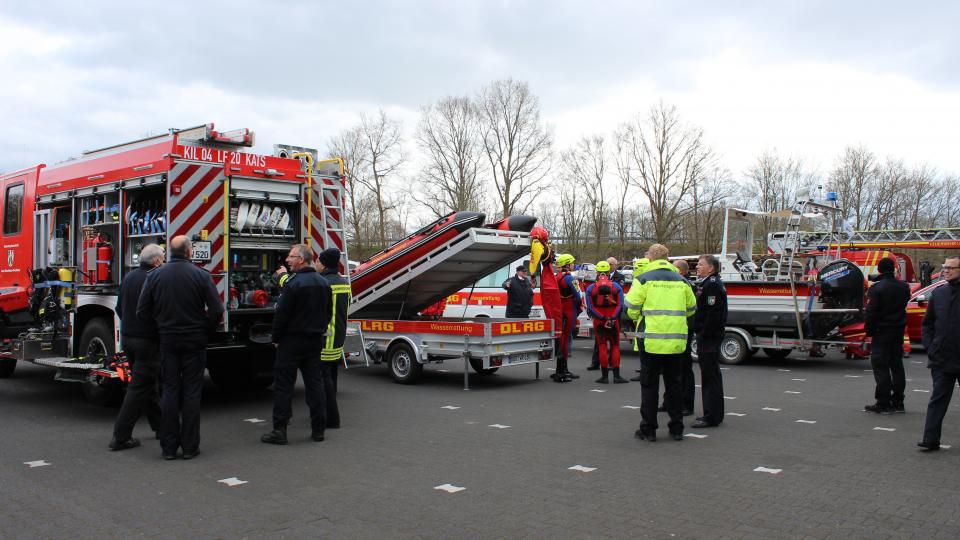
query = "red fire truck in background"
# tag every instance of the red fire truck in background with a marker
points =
(71, 232)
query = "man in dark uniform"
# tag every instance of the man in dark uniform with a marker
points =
(709, 324)
(519, 294)
(617, 277)
(332, 353)
(140, 344)
(941, 338)
(299, 325)
(182, 302)
(884, 321)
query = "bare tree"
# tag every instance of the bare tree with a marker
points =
(347, 145)
(853, 177)
(449, 135)
(772, 184)
(708, 195)
(517, 144)
(666, 156)
(381, 158)
(584, 168)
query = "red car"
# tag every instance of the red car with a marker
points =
(916, 308)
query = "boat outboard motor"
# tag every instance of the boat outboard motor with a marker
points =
(841, 286)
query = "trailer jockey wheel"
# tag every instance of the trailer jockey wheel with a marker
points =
(477, 366)
(96, 345)
(404, 366)
(7, 365)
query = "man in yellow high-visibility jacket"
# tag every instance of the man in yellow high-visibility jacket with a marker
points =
(664, 300)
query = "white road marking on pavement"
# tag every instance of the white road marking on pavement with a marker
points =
(766, 470)
(918, 390)
(729, 397)
(449, 488)
(918, 362)
(597, 390)
(909, 380)
(471, 422)
(725, 368)
(581, 468)
(39, 463)
(232, 481)
(853, 376)
(735, 414)
(799, 380)
(806, 421)
(774, 409)
(945, 446)
(442, 370)
(629, 407)
(868, 370)
(498, 426)
(551, 369)
(783, 370)
(878, 428)
(695, 435)
(254, 420)
(451, 407)
(697, 385)
(792, 392)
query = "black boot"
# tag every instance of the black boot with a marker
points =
(604, 375)
(616, 376)
(593, 367)
(277, 436)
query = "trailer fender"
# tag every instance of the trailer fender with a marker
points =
(744, 334)
(409, 342)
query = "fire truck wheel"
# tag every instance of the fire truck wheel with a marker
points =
(733, 349)
(96, 343)
(477, 366)
(776, 354)
(404, 366)
(7, 365)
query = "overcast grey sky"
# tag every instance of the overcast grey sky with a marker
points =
(803, 77)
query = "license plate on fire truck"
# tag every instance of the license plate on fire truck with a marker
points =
(201, 251)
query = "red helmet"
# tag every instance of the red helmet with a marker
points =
(539, 233)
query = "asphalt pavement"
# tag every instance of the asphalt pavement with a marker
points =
(512, 457)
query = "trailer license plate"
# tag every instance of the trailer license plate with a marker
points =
(518, 358)
(201, 251)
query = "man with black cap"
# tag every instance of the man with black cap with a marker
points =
(519, 294)
(332, 352)
(884, 321)
(299, 325)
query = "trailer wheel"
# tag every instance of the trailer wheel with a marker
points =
(477, 366)
(96, 344)
(733, 349)
(776, 354)
(404, 366)
(7, 365)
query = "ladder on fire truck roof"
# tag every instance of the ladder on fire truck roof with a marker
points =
(453, 265)
(935, 238)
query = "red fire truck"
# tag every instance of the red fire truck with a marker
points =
(71, 232)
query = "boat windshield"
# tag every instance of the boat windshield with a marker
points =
(739, 239)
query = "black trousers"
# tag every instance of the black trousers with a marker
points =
(886, 358)
(144, 357)
(711, 385)
(294, 354)
(328, 372)
(652, 366)
(182, 360)
(943, 384)
(688, 385)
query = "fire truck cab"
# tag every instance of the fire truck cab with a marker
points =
(71, 232)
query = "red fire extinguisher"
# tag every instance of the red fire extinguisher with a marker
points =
(104, 259)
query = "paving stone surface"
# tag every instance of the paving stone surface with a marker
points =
(378, 476)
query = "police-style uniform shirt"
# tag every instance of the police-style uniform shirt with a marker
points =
(711, 317)
(303, 311)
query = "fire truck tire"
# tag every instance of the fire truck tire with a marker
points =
(776, 354)
(477, 366)
(96, 341)
(7, 365)
(404, 366)
(733, 349)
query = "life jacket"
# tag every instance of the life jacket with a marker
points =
(565, 290)
(604, 294)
